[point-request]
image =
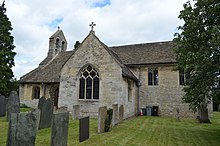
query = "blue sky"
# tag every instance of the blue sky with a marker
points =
(118, 22)
(55, 23)
(102, 3)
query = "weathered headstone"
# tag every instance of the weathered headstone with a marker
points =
(46, 108)
(115, 114)
(59, 129)
(2, 106)
(76, 112)
(13, 105)
(121, 113)
(22, 128)
(101, 119)
(83, 129)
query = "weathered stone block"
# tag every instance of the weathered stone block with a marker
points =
(115, 117)
(2, 106)
(13, 105)
(60, 110)
(101, 119)
(59, 131)
(121, 113)
(46, 108)
(76, 112)
(22, 128)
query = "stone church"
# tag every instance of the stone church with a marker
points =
(95, 75)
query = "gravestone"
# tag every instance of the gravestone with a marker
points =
(83, 129)
(101, 119)
(46, 112)
(121, 113)
(115, 114)
(22, 128)
(13, 105)
(76, 112)
(2, 106)
(59, 129)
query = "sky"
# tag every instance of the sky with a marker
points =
(118, 22)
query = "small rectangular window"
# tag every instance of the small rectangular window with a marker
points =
(152, 76)
(183, 76)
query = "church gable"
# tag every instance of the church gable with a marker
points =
(94, 76)
(93, 51)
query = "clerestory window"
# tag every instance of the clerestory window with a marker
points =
(89, 83)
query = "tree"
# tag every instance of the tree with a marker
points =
(198, 51)
(6, 51)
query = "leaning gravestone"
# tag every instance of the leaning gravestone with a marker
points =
(2, 106)
(22, 128)
(59, 131)
(46, 112)
(115, 114)
(101, 119)
(13, 105)
(76, 112)
(121, 113)
(83, 129)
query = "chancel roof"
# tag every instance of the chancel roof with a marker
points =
(148, 53)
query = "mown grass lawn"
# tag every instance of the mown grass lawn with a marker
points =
(139, 131)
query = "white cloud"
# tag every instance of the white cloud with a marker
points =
(117, 22)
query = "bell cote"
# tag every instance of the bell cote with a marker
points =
(57, 43)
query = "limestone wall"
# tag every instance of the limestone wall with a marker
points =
(26, 93)
(167, 94)
(113, 88)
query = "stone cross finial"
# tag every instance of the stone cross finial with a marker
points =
(92, 25)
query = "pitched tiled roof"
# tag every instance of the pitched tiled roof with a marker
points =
(49, 73)
(148, 53)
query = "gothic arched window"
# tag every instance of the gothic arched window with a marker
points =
(89, 83)
(36, 92)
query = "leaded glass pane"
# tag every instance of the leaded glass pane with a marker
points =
(89, 68)
(92, 73)
(150, 77)
(96, 88)
(81, 88)
(88, 88)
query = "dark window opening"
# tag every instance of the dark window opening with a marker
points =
(183, 76)
(63, 46)
(152, 76)
(57, 43)
(36, 92)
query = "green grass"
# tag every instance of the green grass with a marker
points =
(152, 131)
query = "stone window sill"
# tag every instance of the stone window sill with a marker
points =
(89, 100)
